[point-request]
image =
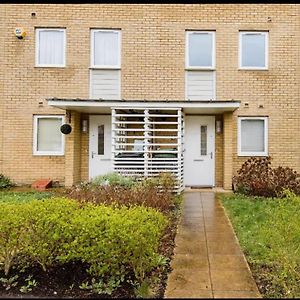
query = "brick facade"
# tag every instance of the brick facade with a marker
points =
(153, 60)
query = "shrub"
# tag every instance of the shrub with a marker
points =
(13, 233)
(115, 243)
(5, 182)
(113, 179)
(33, 231)
(257, 178)
(152, 192)
(49, 229)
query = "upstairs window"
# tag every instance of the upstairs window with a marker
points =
(105, 49)
(252, 136)
(200, 50)
(253, 50)
(50, 47)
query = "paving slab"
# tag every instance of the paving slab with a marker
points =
(208, 261)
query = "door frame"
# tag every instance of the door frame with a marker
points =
(213, 149)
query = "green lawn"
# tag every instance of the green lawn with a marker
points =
(268, 230)
(16, 196)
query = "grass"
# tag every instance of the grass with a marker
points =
(268, 230)
(16, 196)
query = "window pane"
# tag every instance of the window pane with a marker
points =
(51, 47)
(49, 137)
(106, 48)
(200, 49)
(252, 136)
(101, 140)
(253, 50)
(203, 140)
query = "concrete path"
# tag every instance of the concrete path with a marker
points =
(208, 261)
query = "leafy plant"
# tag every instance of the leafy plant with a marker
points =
(5, 182)
(113, 179)
(10, 282)
(13, 233)
(152, 192)
(143, 289)
(114, 242)
(100, 287)
(105, 240)
(49, 230)
(30, 284)
(257, 178)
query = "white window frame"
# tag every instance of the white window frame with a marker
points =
(187, 66)
(266, 34)
(243, 153)
(35, 127)
(92, 65)
(37, 48)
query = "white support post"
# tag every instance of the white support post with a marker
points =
(179, 147)
(146, 142)
(113, 134)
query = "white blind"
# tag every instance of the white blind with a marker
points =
(253, 50)
(49, 137)
(106, 48)
(252, 136)
(51, 47)
(200, 49)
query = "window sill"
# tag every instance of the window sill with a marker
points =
(105, 68)
(252, 154)
(51, 66)
(200, 69)
(252, 69)
(48, 154)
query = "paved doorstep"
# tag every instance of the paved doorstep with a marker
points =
(208, 261)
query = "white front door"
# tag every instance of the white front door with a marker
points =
(100, 161)
(199, 155)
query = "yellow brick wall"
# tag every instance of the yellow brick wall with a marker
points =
(153, 47)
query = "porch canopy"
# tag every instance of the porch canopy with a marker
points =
(102, 106)
(147, 137)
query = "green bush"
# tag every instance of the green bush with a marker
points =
(113, 179)
(5, 182)
(157, 192)
(114, 240)
(13, 233)
(116, 243)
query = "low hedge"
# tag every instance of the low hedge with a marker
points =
(116, 243)
(155, 192)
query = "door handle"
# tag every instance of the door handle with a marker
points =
(211, 155)
(93, 153)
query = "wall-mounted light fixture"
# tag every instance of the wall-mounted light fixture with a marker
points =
(218, 126)
(84, 126)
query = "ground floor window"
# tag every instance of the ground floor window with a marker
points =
(252, 136)
(47, 138)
